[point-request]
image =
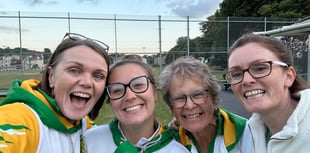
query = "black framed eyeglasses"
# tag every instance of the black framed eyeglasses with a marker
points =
(256, 70)
(137, 85)
(198, 97)
(76, 36)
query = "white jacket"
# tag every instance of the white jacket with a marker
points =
(100, 139)
(293, 138)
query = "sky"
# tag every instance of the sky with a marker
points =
(195, 9)
(181, 8)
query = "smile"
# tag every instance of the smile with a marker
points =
(192, 116)
(254, 94)
(79, 99)
(133, 108)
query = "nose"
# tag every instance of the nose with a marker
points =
(189, 103)
(129, 94)
(86, 80)
(247, 78)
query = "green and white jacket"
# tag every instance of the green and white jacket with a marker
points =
(31, 122)
(233, 136)
(109, 138)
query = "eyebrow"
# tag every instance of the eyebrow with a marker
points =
(251, 63)
(80, 64)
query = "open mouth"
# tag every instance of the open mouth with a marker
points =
(79, 99)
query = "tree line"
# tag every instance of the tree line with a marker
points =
(214, 33)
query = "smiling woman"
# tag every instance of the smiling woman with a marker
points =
(193, 95)
(132, 95)
(266, 84)
(53, 111)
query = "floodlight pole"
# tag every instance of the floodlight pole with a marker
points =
(20, 45)
(188, 36)
(160, 49)
(308, 65)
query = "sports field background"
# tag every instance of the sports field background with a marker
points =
(162, 110)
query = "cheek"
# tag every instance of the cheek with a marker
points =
(100, 89)
(114, 104)
(234, 87)
(236, 90)
(209, 108)
(176, 113)
(59, 79)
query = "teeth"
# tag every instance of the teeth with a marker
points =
(191, 116)
(254, 94)
(83, 95)
(133, 108)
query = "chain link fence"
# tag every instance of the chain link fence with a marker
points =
(27, 38)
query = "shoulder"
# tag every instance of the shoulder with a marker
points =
(173, 147)
(100, 133)
(96, 130)
(18, 126)
(99, 139)
(231, 118)
(18, 114)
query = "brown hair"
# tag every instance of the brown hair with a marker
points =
(56, 57)
(133, 57)
(145, 66)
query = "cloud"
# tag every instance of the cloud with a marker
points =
(54, 2)
(40, 2)
(88, 1)
(8, 29)
(193, 8)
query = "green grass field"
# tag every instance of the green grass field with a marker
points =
(162, 111)
(6, 78)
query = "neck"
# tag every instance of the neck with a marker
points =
(276, 118)
(204, 137)
(134, 133)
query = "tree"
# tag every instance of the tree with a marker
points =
(286, 9)
(178, 50)
(46, 55)
(215, 28)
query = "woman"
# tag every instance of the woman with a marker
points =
(132, 96)
(46, 116)
(266, 83)
(192, 94)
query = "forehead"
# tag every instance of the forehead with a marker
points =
(77, 53)
(125, 73)
(180, 84)
(249, 53)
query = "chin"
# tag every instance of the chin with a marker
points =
(75, 117)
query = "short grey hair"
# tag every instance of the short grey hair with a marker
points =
(187, 67)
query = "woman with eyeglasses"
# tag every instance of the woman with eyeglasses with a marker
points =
(263, 78)
(48, 116)
(132, 94)
(192, 94)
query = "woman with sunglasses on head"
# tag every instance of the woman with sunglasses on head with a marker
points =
(132, 94)
(48, 116)
(266, 83)
(192, 94)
